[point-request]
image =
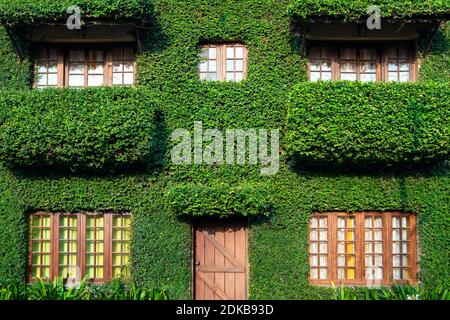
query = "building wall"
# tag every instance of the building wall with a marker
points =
(161, 240)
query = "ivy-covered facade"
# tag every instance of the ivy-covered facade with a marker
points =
(345, 148)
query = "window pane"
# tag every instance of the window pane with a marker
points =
(368, 67)
(230, 65)
(213, 66)
(348, 67)
(239, 65)
(230, 53)
(314, 76)
(95, 69)
(368, 77)
(348, 76)
(95, 80)
(326, 76)
(76, 69)
(239, 52)
(128, 78)
(314, 66)
(393, 76)
(404, 76)
(212, 53)
(76, 80)
(117, 78)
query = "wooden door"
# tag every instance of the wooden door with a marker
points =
(220, 261)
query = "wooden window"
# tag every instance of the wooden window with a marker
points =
(362, 62)
(80, 67)
(365, 248)
(81, 244)
(123, 66)
(223, 62)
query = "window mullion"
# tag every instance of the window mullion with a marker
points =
(332, 244)
(360, 238)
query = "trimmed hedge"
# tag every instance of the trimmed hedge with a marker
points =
(28, 12)
(354, 10)
(96, 129)
(347, 123)
(219, 200)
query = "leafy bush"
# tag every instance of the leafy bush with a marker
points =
(86, 130)
(24, 11)
(371, 123)
(57, 290)
(353, 10)
(396, 292)
(219, 200)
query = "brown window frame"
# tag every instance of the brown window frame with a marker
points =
(382, 59)
(360, 243)
(221, 61)
(81, 241)
(63, 62)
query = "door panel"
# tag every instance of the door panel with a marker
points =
(221, 268)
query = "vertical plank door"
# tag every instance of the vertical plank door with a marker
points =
(220, 260)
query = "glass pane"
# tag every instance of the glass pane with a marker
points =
(203, 66)
(323, 248)
(53, 67)
(341, 261)
(378, 261)
(323, 235)
(212, 53)
(314, 248)
(341, 247)
(95, 69)
(326, 76)
(117, 78)
(378, 247)
(396, 261)
(368, 248)
(350, 248)
(341, 222)
(212, 76)
(378, 222)
(341, 235)
(95, 80)
(212, 66)
(239, 65)
(314, 66)
(314, 76)
(117, 67)
(313, 223)
(368, 222)
(368, 77)
(76, 80)
(230, 53)
(76, 69)
(368, 235)
(239, 52)
(341, 273)
(404, 76)
(404, 67)
(326, 66)
(230, 76)
(378, 235)
(348, 76)
(348, 67)
(396, 247)
(397, 274)
(378, 274)
(368, 261)
(393, 67)
(230, 65)
(41, 79)
(323, 274)
(323, 223)
(351, 274)
(393, 76)
(128, 67)
(404, 222)
(368, 67)
(396, 235)
(128, 78)
(314, 274)
(396, 222)
(313, 260)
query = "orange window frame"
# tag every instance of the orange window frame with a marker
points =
(360, 241)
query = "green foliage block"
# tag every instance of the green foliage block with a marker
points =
(353, 123)
(98, 129)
